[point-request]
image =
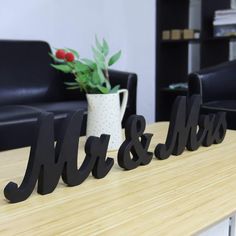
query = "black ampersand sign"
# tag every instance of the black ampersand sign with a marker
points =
(134, 150)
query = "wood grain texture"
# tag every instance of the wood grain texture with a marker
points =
(179, 196)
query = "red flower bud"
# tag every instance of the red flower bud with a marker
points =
(69, 57)
(60, 54)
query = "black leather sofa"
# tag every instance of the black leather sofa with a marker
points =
(217, 87)
(28, 84)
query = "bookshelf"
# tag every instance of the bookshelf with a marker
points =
(172, 56)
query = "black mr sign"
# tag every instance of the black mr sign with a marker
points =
(46, 164)
(187, 130)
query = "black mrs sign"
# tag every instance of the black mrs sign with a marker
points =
(188, 129)
(47, 164)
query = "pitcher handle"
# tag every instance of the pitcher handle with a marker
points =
(123, 102)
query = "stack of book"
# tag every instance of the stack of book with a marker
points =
(178, 34)
(225, 23)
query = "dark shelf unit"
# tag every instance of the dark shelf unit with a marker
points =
(181, 41)
(226, 38)
(172, 55)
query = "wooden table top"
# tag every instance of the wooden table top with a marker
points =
(179, 196)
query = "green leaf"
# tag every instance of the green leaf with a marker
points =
(73, 87)
(115, 89)
(71, 64)
(100, 65)
(74, 52)
(63, 68)
(80, 67)
(98, 56)
(71, 83)
(90, 84)
(114, 58)
(105, 48)
(108, 85)
(101, 75)
(82, 78)
(103, 89)
(78, 79)
(98, 44)
(82, 81)
(96, 78)
(55, 58)
(89, 63)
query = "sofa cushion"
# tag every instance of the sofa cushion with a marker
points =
(223, 105)
(60, 111)
(17, 126)
(228, 106)
(17, 114)
(18, 123)
(61, 107)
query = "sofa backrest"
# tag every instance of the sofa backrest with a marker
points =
(25, 73)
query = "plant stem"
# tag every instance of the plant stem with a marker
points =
(107, 74)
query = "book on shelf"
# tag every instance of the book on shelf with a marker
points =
(225, 23)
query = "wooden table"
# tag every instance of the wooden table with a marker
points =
(179, 196)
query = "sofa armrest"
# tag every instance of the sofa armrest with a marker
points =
(127, 81)
(214, 83)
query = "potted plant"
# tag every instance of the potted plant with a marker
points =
(92, 77)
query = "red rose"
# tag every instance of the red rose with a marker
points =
(60, 54)
(69, 57)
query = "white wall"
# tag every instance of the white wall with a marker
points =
(126, 24)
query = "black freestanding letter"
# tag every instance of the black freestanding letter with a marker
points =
(134, 129)
(188, 129)
(47, 164)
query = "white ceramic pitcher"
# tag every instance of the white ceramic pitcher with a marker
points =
(105, 114)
